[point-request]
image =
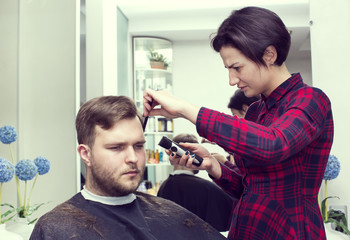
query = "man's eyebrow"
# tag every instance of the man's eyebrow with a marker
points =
(125, 143)
(115, 144)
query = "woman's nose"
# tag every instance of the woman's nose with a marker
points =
(233, 79)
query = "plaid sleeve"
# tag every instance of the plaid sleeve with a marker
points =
(230, 181)
(291, 127)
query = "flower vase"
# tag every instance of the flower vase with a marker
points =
(21, 227)
(333, 234)
(157, 65)
(5, 234)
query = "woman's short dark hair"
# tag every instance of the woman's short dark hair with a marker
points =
(251, 30)
(103, 112)
(238, 99)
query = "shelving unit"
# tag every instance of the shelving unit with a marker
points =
(158, 167)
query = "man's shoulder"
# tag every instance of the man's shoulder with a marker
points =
(160, 206)
(145, 198)
(66, 220)
(67, 211)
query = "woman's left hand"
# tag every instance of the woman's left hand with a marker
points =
(210, 164)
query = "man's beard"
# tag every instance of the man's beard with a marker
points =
(106, 183)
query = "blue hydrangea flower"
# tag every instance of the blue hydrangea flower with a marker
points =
(43, 165)
(7, 170)
(8, 134)
(332, 168)
(26, 170)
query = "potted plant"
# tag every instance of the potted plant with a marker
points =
(24, 170)
(157, 60)
(332, 216)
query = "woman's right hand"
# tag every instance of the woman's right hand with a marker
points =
(170, 107)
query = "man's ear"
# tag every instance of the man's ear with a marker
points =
(270, 55)
(245, 107)
(85, 154)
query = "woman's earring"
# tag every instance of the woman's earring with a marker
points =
(271, 63)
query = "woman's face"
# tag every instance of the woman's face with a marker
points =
(247, 75)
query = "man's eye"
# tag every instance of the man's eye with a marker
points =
(116, 148)
(139, 146)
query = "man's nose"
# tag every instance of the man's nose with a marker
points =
(131, 155)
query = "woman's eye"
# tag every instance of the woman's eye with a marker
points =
(237, 68)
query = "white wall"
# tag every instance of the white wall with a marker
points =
(199, 76)
(8, 81)
(330, 34)
(301, 65)
(101, 48)
(39, 89)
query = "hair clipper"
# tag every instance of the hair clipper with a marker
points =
(179, 150)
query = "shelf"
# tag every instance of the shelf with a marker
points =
(153, 70)
(145, 43)
(158, 79)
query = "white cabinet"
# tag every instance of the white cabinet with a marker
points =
(157, 76)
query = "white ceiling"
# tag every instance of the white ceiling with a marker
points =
(191, 20)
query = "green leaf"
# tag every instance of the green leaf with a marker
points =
(33, 221)
(5, 214)
(20, 212)
(323, 206)
(33, 208)
(6, 204)
(335, 214)
(339, 224)
(8, 212)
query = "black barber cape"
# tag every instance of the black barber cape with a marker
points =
(147, 217)
(200, 196)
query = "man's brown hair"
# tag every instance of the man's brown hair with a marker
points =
(103, 112)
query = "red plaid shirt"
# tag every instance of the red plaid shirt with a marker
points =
(281, 149)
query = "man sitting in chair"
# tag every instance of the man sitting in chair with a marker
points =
(111, 144)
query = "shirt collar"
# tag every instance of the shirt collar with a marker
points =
(107, 200)
(186, 172)
(282, 89)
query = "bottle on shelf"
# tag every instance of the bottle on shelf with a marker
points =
(169, 125)
(156, 156)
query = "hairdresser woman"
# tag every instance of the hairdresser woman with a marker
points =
(281, 147)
